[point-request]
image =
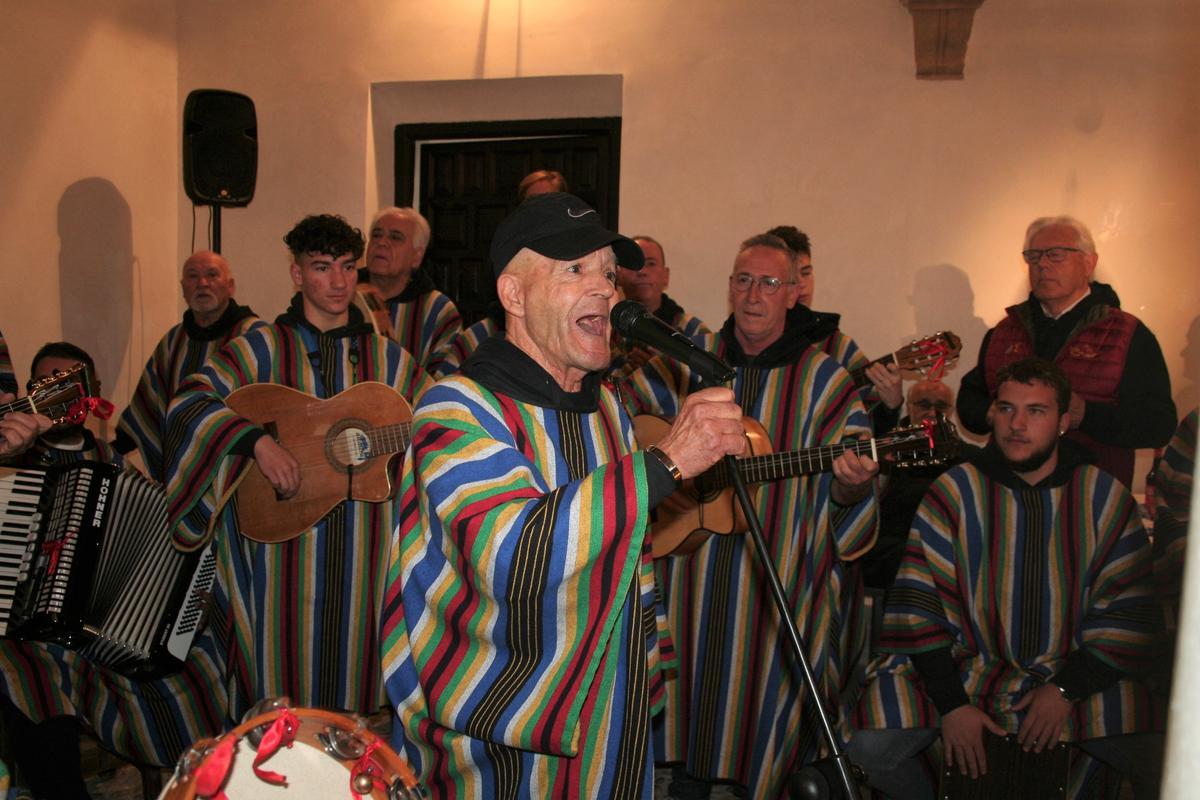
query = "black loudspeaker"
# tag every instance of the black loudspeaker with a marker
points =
(220, 147)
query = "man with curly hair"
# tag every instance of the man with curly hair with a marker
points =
(299, 618)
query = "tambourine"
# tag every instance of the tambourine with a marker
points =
(302, 751)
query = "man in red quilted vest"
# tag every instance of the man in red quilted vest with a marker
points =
(1121, 392)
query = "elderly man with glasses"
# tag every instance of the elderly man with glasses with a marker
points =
(1121, 392)
(737, 712)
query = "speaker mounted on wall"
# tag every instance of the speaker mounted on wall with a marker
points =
(220, 147)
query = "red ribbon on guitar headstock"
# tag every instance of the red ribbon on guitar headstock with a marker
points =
(937, 350)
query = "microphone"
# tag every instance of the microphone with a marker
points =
(634, 321)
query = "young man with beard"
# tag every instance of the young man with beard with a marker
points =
(1023, 606)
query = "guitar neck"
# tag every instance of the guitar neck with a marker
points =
(24, 405)
(860, 374)
(390, 438)
(795, 463)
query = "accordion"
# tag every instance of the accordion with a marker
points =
(86, 561)
(1012, 773)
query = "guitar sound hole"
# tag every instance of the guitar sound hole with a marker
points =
(348, 445)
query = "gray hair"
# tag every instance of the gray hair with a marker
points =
(773, 242)
(422, 237)
(1083, 236)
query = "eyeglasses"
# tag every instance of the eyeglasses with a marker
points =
(1054, 255)
(931, 405)
(766, 284)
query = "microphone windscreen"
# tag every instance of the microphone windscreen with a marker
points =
(625, 314)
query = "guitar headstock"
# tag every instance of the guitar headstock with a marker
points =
(922, 355)
(934, 441)
(63, 395)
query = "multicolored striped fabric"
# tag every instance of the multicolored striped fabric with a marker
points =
(176, 356)
(520, 645)
(845, 351)
(1014, 581)
(301, 617)
(149, 722)
(737, 711)
(1172, 509)
(449, 357)
(425, 325)
(8, 379)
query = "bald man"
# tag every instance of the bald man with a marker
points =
(212, 318)
(904, 487)
(927, 399)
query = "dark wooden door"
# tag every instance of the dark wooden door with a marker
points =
(468, 185)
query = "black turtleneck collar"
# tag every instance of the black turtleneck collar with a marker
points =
(990, 460)
(294, 317)
(232, 315)
(802, 328)
(668, 310)
(503, 368)
(418, 284)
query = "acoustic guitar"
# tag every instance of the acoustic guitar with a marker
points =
(63, 397)
(343, 444)
(919, 355)
(708, 499)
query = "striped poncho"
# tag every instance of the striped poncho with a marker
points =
(181, 352)
(520, 643)
(669, 312)
(299, 618)
(1172, 508)
(450, 356)
(1014, 579)
(737, 710)
(424, 319)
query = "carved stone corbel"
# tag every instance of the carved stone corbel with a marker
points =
(941, 29)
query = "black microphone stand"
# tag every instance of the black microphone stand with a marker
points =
(794, 642)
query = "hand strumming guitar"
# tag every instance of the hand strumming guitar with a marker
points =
(708, 427)
(278, 466)
(18, 430)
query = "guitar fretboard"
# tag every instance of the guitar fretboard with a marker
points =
(24, 405)
(778, 466)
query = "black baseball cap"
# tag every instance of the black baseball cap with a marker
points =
(559, 226)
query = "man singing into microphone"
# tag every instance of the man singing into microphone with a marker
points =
(737, 711)
(520, 646)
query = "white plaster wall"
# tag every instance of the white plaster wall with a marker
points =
(89, 157)
(741, 116)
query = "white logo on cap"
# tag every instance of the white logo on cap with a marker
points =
(573, 215)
